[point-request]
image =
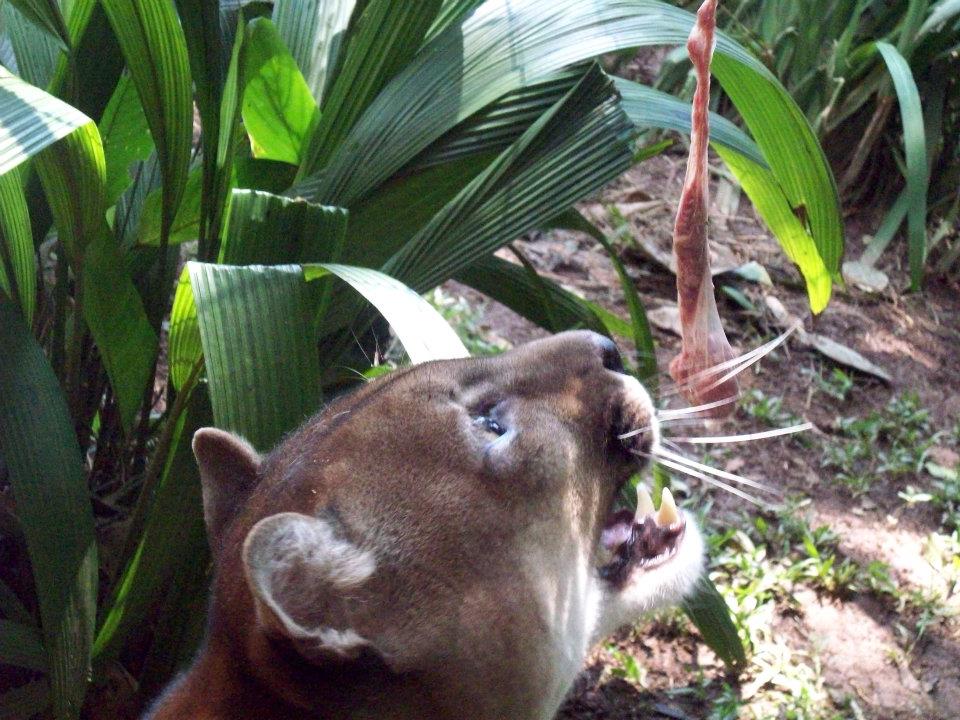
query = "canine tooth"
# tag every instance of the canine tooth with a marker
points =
(667, 515)
(644, 503)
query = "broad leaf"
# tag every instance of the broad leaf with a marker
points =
(18, 275)
(46, 15)
(422, 331)
(126, 138)
(31, 120)
(256, 326)
(279, 112)
(583, 142)
(156, 52)
(538, 299)
(36, 50)
(379, 43)
(39, 447)
(313, 30)
(708, 611)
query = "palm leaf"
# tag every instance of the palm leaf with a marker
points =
(38, 444)
(155, 49)
(380, 41)
(18, 276)
(46, 15)
(313, 30)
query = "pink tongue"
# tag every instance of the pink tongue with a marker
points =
(615, 535)
(704, 343)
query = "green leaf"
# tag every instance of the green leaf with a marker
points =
(73, 172)
(118, 321)
(31, 120)
(789, 228)
(173, 537)
(20, 645)
(538, 299)
(18, 275)
(583, 142)
(278, 110)
(452, 12)
(208, 53)
(915, 145)
(649, 108)
(256, 327)
(709, 612)
(422, 331)
(46, 15)
(940, 13)
(381, 225)
(36, 51)
(313, 30)
(39, 447)
(155, 49)
(270, 229)
(379, 42)
(797, 164)
(186, 224)
(126, 138)
(262, 228)
(499, 49)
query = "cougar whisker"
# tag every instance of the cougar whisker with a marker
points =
(663, 453)
(746, 437)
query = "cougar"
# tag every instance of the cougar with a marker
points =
(446, 542)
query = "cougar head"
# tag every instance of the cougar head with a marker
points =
(444, 542)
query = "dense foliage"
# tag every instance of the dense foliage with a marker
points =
(388, 145)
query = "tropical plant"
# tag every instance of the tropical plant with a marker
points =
(848, 70)
(389, 145)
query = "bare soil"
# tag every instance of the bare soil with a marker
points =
(858, 641)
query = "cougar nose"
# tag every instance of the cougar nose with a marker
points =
(609, 354)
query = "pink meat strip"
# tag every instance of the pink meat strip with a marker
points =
(704, 342)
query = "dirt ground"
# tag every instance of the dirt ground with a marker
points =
(857, 652)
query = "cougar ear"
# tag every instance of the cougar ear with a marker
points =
(228, 472)
(301, 574)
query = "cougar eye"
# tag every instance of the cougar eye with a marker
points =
(489, 424)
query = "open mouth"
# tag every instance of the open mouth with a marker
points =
(641, 540)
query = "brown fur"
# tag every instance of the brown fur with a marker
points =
(451, 623)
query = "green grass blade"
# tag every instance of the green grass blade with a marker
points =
(380, 41)
(39, 446)
(260, 353)
(422, 331)
(46, 15)
(313, 30)
(649, 108)
(940, 13)
(31, 120)
(155, 49)
(915, 146)
(709, 612)
(18, 275)
(22, 646)
(279, 112)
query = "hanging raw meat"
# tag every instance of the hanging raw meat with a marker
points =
(704, 345)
